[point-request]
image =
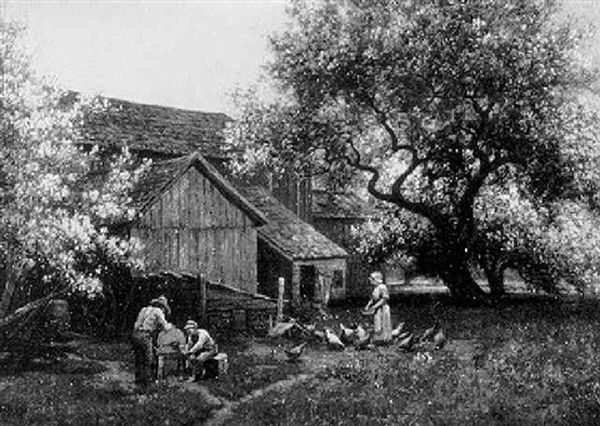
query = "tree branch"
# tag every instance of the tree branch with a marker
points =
(436, 218)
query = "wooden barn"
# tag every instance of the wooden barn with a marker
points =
(192, 220)
(313, 266)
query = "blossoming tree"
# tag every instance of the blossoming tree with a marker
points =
(55, 210)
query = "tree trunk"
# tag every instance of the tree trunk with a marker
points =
(457, 277)
(495, 276)
(10, 285)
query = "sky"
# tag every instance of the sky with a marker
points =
(183, 53)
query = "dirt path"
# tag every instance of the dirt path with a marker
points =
(221, 416)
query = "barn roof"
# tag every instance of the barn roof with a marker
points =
(287, 232)
(328, 205)
(155, 129)
(163, 174)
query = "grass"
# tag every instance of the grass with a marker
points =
(537, 363)
(61, 391)
(532, 361)
(248, 373)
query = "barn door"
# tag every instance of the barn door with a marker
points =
(307, 282)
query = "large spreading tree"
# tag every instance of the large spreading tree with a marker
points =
(448, 111)
(57, 201)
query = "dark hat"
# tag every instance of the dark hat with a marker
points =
(161, 302)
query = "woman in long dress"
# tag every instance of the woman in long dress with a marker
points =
(382, 321)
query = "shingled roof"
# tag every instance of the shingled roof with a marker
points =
(287, 232)
(156, 129)
(328, 205)
(163, 174)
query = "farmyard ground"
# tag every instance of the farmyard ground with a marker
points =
(527, 361)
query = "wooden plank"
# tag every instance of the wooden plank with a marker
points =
(210, 255)
(184, 249)
(252, 256)
(193, 199)
(220, 208)
(165, 203)
(201, 202)
(227, 264)
(203, 297)
(209, 204)
(174, 191)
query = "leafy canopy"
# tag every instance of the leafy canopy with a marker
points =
(433, 107)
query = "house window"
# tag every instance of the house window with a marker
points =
(338, 279)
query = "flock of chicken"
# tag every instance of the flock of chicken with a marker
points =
(360, 339)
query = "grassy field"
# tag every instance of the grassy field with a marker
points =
(523, 363)
(528, 361)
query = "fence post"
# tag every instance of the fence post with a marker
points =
(203, 296)
(281, 282)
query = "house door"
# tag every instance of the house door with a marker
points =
(307, 282)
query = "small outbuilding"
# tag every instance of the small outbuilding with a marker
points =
(313, 266)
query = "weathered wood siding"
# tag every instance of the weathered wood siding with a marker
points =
(193, 228)
(295, 194)
(271, 266)
(339, 231)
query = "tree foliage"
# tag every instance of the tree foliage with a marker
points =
(57, 201)
(436, 106)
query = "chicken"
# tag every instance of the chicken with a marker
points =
(439, 339)
(404, 335)
(398, 330)
(360, 332)
(346, 334)
(428, 334)
(319, 334)
(310, 327)
(333, 341)
(363, 342)
(406, 343)
(295, 352)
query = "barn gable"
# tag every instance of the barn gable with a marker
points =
(191, 220)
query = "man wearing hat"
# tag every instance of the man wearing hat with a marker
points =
(200, 347)
(150, 321)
